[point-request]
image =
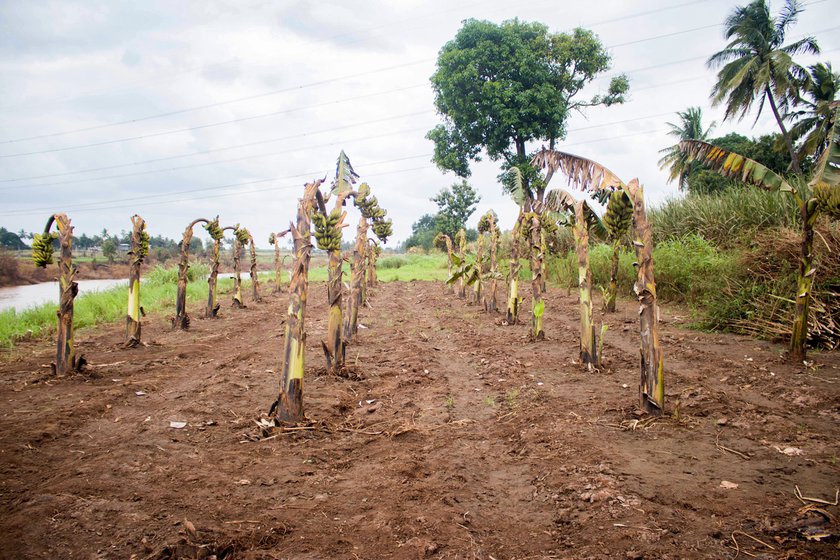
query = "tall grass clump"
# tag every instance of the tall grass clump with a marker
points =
(726, 219)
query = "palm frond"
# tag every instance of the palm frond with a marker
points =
(828, 166)
(586, 174)
(733, 165)
(559, 200)
(515, 185)
(345, 177)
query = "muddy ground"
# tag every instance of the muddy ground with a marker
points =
(456, 438)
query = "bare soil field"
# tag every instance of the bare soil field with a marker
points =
(453, 436)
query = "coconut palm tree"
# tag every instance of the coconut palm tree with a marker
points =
(758, 66)
(690, 127)
(813, 124)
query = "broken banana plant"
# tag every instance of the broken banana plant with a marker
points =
(617, 219)
(181, 319)
(274, 239)
(461, 240)
(255, 281)
(487, 225)
(443, 242)
(374, 250)
(139, 251)
(240, 239)
(288, 408)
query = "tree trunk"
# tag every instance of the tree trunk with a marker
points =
(65, 354)
(278, 269)
(255, 282)
(588, 349)
(794, 159)
(462, 246)
(804, 281)
(543, 261)
(212, 309)
(513, 294)
(354, 301)
(479, 257)
(237, 277)
(450, 253)
(651, 386)
(136, 255)
(537, 302)
(371, 274)
(612, 291)
(182, 320)
(289, 404)
(335, 344)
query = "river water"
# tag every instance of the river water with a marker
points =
(24, 297)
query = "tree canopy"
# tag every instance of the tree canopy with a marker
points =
(499, 86)
(455, 206)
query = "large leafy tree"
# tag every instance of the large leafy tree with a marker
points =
(813, 122)
(690, 127)
(500, 86)
(455, 206)
(758, 66)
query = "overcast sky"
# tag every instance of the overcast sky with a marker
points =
(110, 108)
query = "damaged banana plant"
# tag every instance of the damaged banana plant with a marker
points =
(444, 243)
(274, 239)
(487, 225)
(66, 360)
(288, 408)
(374, 250)
(216, 233)
(819, 196)
(461, 240)
(594, 178)
(617, 219)
(241, 236)
(255, 281)
(181, 319)
(139, 251)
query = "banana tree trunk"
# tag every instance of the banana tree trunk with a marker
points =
(255, 282)
(588, 349)
(479, 263)
(371, 265)
(537, 302)
(289, 404)
(450, 253)
(462, 284)
(513, 294)
(651, 386)
(543, 261)
(354, 301)
(490, 304)
(612, 291)
(278, 268)
(182, 320)
(804, 281)
(335, 346)
(132, 319)
(237, 277)
(65, 352)
(212, 309)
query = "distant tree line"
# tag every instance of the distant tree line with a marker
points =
(455, 206)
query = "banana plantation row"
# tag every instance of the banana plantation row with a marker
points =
(541, 212)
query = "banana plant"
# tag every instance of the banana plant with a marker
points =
(595, 178)
(617, 219)
(181, 319)
(487, 224)
(139, 251)
(820, 195)
(240, 239)
(42, 254)
(461, 240)
(374, 250)
(274, 239)
(444, 242)
(288, 408)
(216, 233)
(479, 263)
(328, 230)
(255, 281)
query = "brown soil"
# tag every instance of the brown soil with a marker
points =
(452, 437)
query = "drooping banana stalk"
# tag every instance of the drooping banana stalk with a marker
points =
(354, 301)
(374, 250)
(240, 239)
(181, 319)
(479, 263)
(617, 219)
(537, 302)
(513, 274)
(139, 250)
(216, 233)
(274, 239)
(487, 225)
(461, 240)
(652, 386)
(588, 350)
(289, 404)
(255, 282)
(442, 241)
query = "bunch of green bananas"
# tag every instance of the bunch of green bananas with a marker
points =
(327, 230)
(619, 215)
(828, 199)
(143, 247)
(440, 241)
(272, 239)
(383, 228)
(485, 223)
(214, 229)
(42, 248)
(242, 235)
